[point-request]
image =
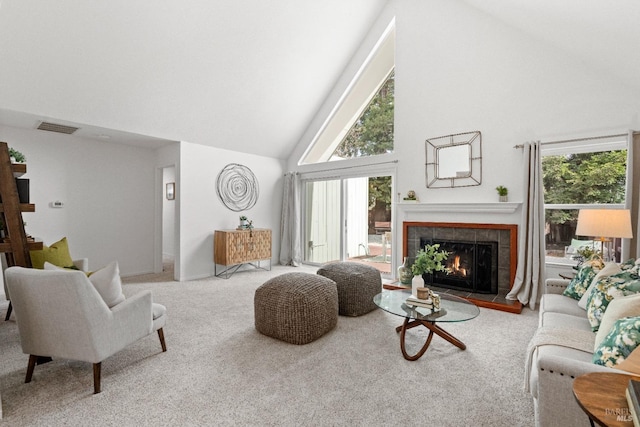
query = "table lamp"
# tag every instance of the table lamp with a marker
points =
(604, 224)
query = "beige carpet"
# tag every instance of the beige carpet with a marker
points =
(219, 371)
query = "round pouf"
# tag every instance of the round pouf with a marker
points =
(357, 285)
(296, 307)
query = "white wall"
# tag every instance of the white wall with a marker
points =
(107, 191)
(459, 70)
(114, 200)
(202, 212)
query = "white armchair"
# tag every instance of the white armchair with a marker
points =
(60, 314)
(81, 264)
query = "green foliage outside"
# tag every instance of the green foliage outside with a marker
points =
(372, 134)
(581, 178)
(379, 191)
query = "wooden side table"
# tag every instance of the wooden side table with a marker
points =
(234, 248)
(601, 395)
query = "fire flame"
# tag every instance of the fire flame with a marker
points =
(455, 267)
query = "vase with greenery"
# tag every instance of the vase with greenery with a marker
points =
(243, 221)
(502, 192)
(429, 260)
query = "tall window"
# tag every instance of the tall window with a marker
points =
(576, 178)
(361, 123)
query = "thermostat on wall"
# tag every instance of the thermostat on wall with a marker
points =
(56, 204)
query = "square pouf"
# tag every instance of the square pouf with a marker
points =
(357, 285)
(296, 307)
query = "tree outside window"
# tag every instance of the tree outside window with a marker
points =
(370, 135)
(580, 179)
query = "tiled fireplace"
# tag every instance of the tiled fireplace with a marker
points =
(482, 259)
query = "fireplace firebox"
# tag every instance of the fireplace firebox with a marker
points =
(473, 266)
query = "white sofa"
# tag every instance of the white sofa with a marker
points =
(561, 350)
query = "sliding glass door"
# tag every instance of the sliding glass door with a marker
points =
(322, 221)
(348, 219)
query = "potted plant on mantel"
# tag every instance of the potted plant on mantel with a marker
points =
(502, 193)
(429, 260)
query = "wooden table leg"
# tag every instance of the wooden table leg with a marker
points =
(444, 334)
(433, 329)
(408, 325)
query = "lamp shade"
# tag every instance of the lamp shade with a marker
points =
(604, 223)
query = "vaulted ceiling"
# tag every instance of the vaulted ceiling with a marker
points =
(242, 75)
(604, 35)
(245, 75)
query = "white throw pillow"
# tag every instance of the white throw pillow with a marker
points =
(618, 308)
(609, 269)
(107, 283)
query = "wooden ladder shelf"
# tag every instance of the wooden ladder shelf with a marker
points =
(15, 243)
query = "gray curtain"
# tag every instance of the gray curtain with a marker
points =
(528, 286)
(290, 251)
(631, 247)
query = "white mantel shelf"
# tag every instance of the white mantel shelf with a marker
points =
(495, 207)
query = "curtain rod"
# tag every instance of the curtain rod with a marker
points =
(577, 139)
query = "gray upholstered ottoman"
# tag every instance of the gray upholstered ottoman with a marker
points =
(357, 285)
(296, 307)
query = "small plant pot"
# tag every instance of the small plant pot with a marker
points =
(504, 198)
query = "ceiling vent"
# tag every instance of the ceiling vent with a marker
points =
(53, 127)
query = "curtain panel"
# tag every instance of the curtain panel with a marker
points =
(290, 250)
(631, 247)
(530, 274)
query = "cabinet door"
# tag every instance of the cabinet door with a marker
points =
(258, 245)
(236, 247)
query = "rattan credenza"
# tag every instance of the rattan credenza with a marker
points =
(234, 248)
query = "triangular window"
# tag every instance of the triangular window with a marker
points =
(372, 133)
(361, 124)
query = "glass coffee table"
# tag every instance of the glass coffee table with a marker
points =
(452, 309)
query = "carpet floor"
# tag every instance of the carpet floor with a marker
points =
(219, 370)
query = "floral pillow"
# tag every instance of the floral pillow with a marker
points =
(579, 284)
(608, 288)
(630, 264)
(623, 338)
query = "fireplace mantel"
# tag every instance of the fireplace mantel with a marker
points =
(497, 207)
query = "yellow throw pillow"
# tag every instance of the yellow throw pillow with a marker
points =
(56, 254)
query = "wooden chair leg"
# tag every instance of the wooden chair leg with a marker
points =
(96, 377)
(162, 343)
(30, 367)
(8, 312)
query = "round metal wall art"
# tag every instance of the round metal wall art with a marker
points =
(237, 187)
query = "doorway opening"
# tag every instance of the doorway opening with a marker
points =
(168, 220)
